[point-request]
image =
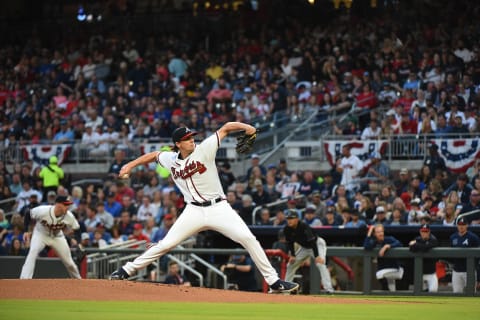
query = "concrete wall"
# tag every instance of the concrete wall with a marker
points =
(45, 268)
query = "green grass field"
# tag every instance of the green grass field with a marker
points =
(388, 308)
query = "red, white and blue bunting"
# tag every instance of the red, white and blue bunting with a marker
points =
(362, 149)
(459, 154)
(40, 154)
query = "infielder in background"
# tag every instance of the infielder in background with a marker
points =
(424, 243)
(309, 245)
(50, 221)
(195, 173)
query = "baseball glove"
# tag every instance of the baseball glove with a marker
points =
(245, 142)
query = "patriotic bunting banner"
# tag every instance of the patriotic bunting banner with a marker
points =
(40, 154)
(459, 154)
(362, 149)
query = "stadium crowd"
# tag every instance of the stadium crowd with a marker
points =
(108, 91)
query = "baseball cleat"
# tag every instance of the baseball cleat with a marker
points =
(119, 274)
(281, 286)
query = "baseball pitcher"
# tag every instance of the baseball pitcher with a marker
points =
(195, 173)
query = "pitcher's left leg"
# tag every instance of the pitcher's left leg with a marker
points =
(60, 246)
(229, 223)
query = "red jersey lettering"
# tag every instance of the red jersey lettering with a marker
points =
(189, 170)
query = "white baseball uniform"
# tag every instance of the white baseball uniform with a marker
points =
(48, 232)
(206, 209)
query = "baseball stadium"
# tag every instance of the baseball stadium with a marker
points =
(232, 159)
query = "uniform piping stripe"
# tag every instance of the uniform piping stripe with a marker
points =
(218, 138)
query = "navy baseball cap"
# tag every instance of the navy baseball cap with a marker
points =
(292, 214)
(462, 222)
(65, 200)
(182, 133)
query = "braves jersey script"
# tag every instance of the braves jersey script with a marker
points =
(49, 225)
(197, 175)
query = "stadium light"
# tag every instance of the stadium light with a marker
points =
(81, 16)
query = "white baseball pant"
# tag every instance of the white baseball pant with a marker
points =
(459, 281)
(218, 217)
(59, 244)
(303, 254)
(430, 282)
(391, 275)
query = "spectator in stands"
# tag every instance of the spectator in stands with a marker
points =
(397, 218)
(113, 206)
(17, 248)
(387, 268)
(462, 187)
(123, 190)
(255, 174)
(4, 223)
(227, 178)
(351, 128)
(416, 186)
(15, 185)
(462, 239)
(259, 196)
(308, 184)
(458, 129)
(24, 197)
(331, 217)
(311, 218)
(265, 219)
(98, 240)
(152, 186)
(146, 209)
(270, 186)
(416, 212)
(472, 205)
(372, 132)
(378, 171)
(91, 220)
(174, 276)
(380, 217)
(288, 187)
(366, 98)
(255, 162)
(434, 161)
(104, 216)
(424, 243)
(355, 221)
(118, 162)
(125, 225)
(5, 192)
(240, 271)
(282, 169)
(350, 167)
(366, 209)
(326, 187)
(247, 209)
(138, 233)
(280, 218)
(129, 206)
(65, 135)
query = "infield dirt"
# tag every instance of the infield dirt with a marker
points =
(105, 290)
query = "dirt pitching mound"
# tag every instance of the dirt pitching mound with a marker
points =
(105, 290)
